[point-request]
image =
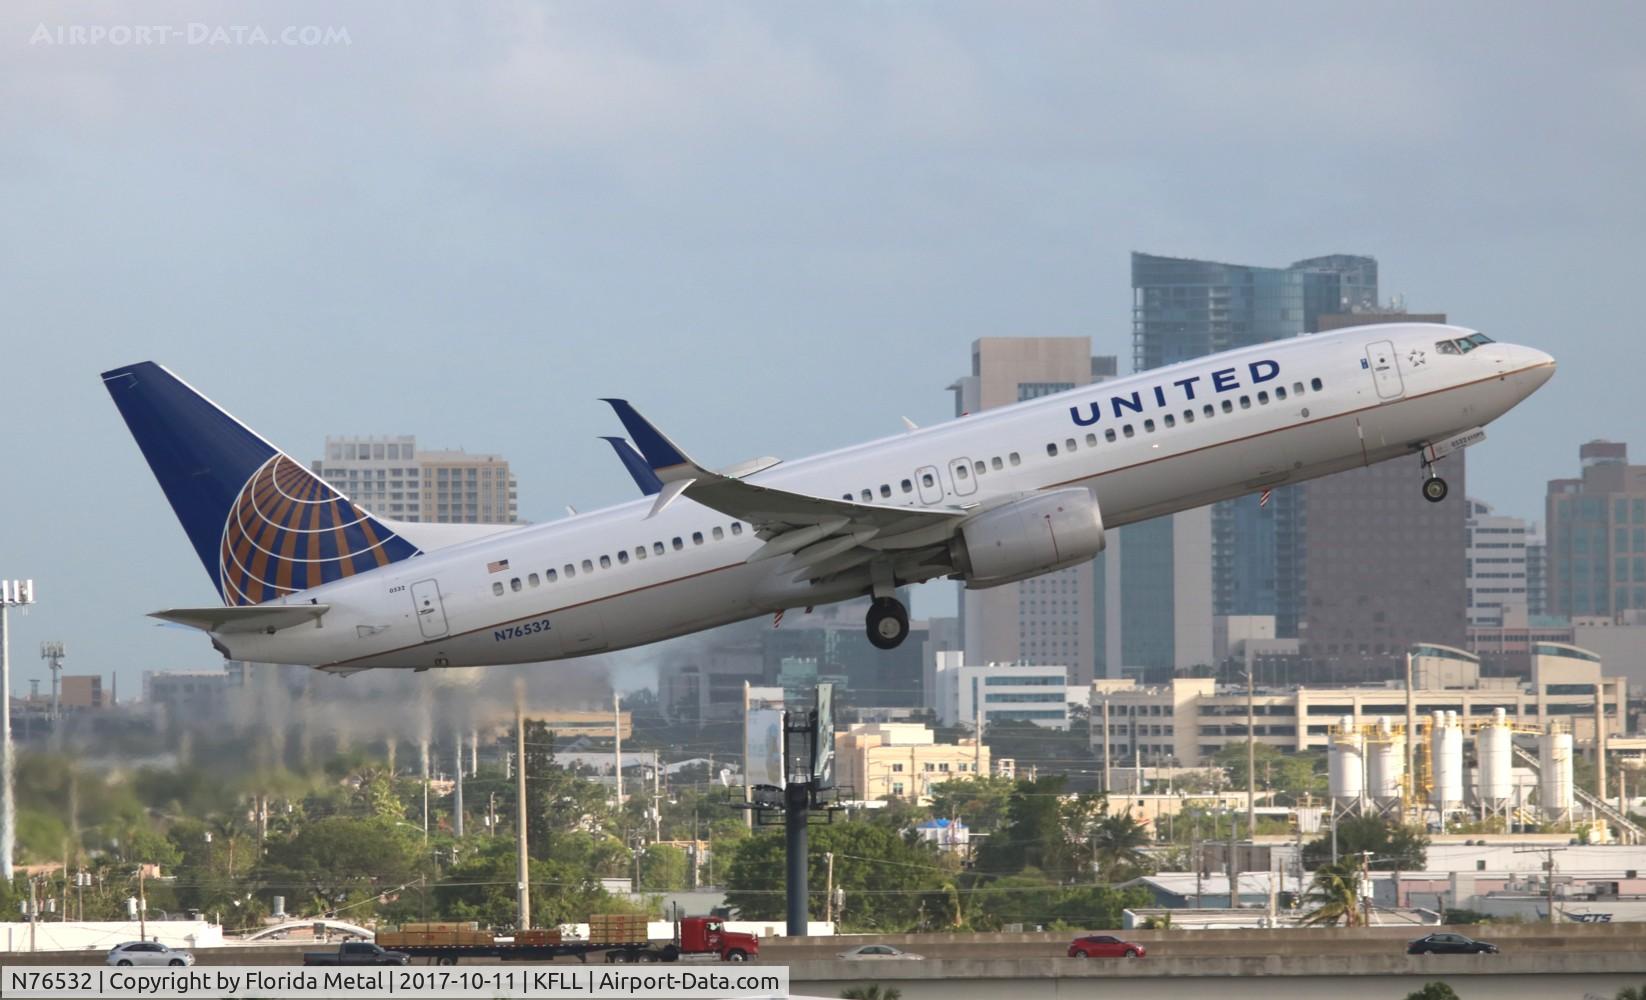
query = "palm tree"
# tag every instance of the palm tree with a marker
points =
(1632, 993)
(1336, 888)
(1118, 843)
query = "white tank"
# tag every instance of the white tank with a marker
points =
(1555, 782)
(1493, 749)
(1446, 754)
(1385, 763)
(1345, 775)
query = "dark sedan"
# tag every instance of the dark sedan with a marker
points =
(1449, 944)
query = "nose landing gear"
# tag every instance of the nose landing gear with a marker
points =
(1435, 489)
(887, 623)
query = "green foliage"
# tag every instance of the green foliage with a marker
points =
(890, 884)
(979, 802)
(345, 861)
(1632, 993)
(1335, 891)
(1033, 834)
(1433, 991)
(1289, 775)
(663, 868)
(482, 887)
(1031, 899)
(1390, 845)
(871, 991)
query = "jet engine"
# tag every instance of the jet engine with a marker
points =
(1037, 534)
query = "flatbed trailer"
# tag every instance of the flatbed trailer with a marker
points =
(620, 938)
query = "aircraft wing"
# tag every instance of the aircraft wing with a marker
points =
(823, 535)
(251, 618)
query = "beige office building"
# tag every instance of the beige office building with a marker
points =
(1187, 721)
(1047, 619)
(393, 478)
(902, 760)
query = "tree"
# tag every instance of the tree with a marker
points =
(887, 881)
(1433, 991)
(1033, 835)
(1389, 845)
(1289, 775)
(979, 802)
(663, 868)
(1632, 993)
(872, 991)
(1336, 893)
(344, 860)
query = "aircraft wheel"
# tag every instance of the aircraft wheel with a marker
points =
(1435, 489)
(888, 623)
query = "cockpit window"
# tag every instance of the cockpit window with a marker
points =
(1462, 345)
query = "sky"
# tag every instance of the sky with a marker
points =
(777, 228)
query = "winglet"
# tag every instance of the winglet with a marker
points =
(665, 459)
(643, 475)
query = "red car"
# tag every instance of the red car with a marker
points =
(1104, 946)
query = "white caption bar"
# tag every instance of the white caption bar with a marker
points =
(763, 982)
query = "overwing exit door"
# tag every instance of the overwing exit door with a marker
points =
(1380, 358)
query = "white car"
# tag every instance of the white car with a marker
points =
(146, 953)
(878, 951)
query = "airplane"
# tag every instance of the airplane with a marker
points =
(307, 576)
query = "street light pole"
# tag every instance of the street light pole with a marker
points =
(1251, 757)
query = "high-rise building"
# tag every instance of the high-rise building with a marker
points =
(393, 478)
(1047, 619)
(1596, 540)
(1380, 567)
(1183, 309)
(1537, 570)
(1496, 573)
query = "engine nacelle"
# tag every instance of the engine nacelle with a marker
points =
(1028, 537)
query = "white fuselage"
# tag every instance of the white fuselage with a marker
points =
(454, 607)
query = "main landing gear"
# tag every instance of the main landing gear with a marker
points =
(888, 623)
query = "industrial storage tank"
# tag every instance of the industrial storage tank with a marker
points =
(1494, 750)
(1345, 768)
(1446, 756)
(1554, 760)
(1385, 763)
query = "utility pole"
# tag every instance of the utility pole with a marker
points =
(423, 748)
(828, 858)
(474, 753)
(1251, 756)
(522, 888)
(52, 653)
(1411, 741)
(142, 902)
(457, 790)
(1108, 778)
(617, 746)
(977, 733)
(657, 798)
(748, 793)
(13, 593)
(1548, 875)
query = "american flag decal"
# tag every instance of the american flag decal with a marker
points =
(498, 566)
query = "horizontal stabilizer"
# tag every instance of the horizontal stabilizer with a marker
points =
(258, 618)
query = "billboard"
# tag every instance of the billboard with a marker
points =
(823, 739)
(763, 748)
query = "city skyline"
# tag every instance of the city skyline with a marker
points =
(496, 197)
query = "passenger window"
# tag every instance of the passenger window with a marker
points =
(1280, 392)
(570, 571)
(497, 589)
(697, 538)
(1069, 445)
(961, 472)
(1245, 402)
(1170, 420)
(1091, 440)
(996, 463)
(1263, 397)
(1207, 410)
(926, 479)
(1148, 425)
(588, 566)
(1108, 435)
(1297, 388)
(1051, 449)
(623, 556)
(1012, 458)
(982, 468)
(719, 532)
(886, 491)
(845, 496)
(1188, 416)
(1127, 430)
(866, 496)
(737, 527)
(605, 562)
(677, 543)
(908, 487)
(531, 579)
(550, 575)
(1316, 384)
(657, 548)
(640, 552)
(514, 585)
(1228, 407)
